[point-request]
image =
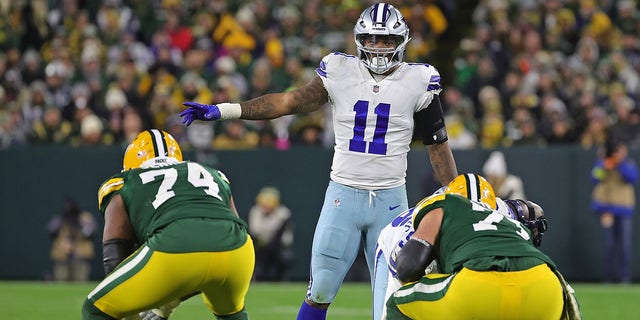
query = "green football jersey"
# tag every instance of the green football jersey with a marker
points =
(473, 236)
(183, 207)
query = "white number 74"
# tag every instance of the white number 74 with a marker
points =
(198, 176)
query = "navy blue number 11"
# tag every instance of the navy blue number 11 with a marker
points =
(377, 146)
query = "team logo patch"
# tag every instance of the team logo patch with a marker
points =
(376, 88)
(337, 202)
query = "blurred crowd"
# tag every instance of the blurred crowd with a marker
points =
(547, 72)
(539, 72)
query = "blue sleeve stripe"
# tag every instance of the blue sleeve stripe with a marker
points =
(435, 79)
(321, 72)
(434, 86)
(418, 64)
(337, 53)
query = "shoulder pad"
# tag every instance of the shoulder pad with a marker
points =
(224, 177)
(108, 187)
(433, 80)
(419, 212)
(332, 62)
(429, 200)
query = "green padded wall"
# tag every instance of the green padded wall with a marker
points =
(34, 182)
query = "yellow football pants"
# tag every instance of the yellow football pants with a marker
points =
(148, 279)
(534, 294)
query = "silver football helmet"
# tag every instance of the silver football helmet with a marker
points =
(381, 19)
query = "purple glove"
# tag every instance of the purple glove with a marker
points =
(197, 111)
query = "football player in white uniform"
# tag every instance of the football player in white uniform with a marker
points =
(396, 234)
(377, 101)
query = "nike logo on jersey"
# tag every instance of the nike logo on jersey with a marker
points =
(391, 208)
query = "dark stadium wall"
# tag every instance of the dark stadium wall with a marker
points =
(35, 181)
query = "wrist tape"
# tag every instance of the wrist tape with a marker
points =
(230, 111)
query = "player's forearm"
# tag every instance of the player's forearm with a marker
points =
(442, 162)
(269, 106)
(276, 105)
(307, 98)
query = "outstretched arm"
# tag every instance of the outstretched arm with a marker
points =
(308, 98)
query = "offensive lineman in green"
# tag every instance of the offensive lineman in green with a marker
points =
(190, 237)
(489, 267)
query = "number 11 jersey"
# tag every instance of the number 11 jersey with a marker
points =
(373, 118)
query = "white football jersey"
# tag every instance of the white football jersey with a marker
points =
(373, 120)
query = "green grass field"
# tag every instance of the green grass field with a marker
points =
(271, 301)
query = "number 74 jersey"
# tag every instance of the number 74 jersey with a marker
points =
(373, 119)
(159, 195)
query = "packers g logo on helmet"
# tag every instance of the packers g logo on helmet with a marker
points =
(151, 144)
(473, 187)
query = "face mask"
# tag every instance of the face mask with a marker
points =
(379, 63)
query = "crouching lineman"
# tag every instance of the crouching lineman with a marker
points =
(399, 231)
(487, 262)
(192, 240)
